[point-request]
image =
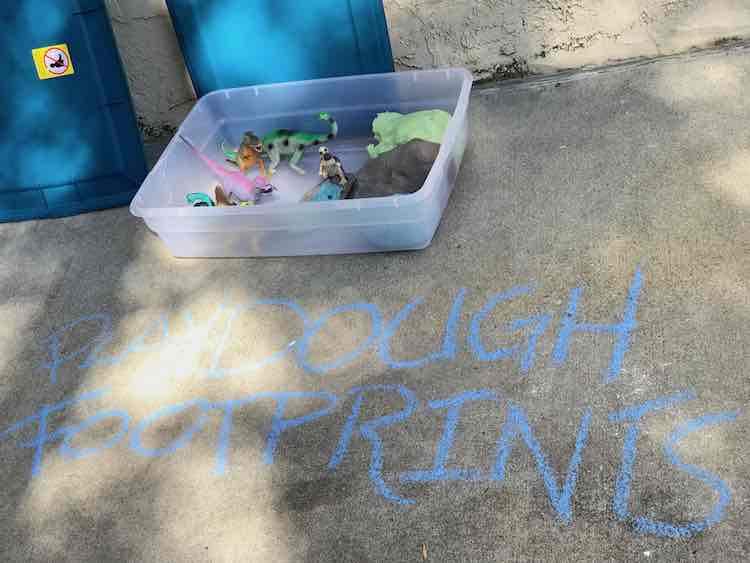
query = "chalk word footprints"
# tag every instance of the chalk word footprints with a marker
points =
(516, 430)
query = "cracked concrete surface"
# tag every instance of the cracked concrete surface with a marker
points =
(492, 38)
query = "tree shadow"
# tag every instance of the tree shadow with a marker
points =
(565, 198)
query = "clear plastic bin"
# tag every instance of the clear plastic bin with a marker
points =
(281, 225)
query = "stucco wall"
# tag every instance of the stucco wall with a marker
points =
(159, 82)
(493, 38)
(497, 37)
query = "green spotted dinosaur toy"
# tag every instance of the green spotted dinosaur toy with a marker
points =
(290, 144)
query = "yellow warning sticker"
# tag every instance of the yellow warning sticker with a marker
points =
(53, 61)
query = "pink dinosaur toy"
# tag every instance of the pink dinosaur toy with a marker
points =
(235, 182)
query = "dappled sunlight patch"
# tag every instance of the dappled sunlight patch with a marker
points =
(183, 510)
(709, 446)
(617, 252)
(68, 483)
(152, 356)
(708, 21)
(695, 447)
(731, 179)
(240, 504)
(72, 495)
(19, 315)
(352, 328)
(198, 287)
(256, 337)
(722, 82)
(730, 284)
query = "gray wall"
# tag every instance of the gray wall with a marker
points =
(493, 38)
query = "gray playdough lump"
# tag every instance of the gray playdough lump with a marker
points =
(400, 171)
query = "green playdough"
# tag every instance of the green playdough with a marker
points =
(394, 129)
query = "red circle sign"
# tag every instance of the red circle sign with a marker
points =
(56, 61)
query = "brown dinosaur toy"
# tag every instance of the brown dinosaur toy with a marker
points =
(250, 154)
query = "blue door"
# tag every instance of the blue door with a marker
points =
(232, 43)
(69, 139)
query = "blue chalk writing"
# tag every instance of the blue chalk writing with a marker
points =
(369, 431)
(225, 434)
(448, 351)
(516, 424)
(622, 330)
(303, 349)
(525, 333)
(67, 450)
(440, 472)
(534, 325)
(633, 415)
(215, 372)
(136, 438)
(279, 424)
(160, 325)
(92, 348)
(647, 525)
(195, 331)
(137, 345)
(475, 331)
(43, 436)
(539, 322)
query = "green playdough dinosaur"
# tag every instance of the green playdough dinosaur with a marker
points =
(292, 144)
(395, 129)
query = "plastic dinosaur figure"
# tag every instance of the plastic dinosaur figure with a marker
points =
(234, 181)
(331, 168)
(292, 144)
(288, 143)
(199, 199)
(250, 154)
(336, 184)
(394, 129)
(231, 199)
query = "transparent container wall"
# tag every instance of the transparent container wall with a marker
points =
(281, 225)
(354, 102)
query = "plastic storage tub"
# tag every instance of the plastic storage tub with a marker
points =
(281, 225)
(234, 43)
(70, 142)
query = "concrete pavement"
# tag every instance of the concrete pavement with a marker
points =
(571, 387)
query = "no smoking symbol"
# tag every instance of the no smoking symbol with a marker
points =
(56, 61)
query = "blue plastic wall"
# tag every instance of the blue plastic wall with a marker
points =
(233, 43)
(68, 144)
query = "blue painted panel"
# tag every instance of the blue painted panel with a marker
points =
(233, 43)
(69, 144)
